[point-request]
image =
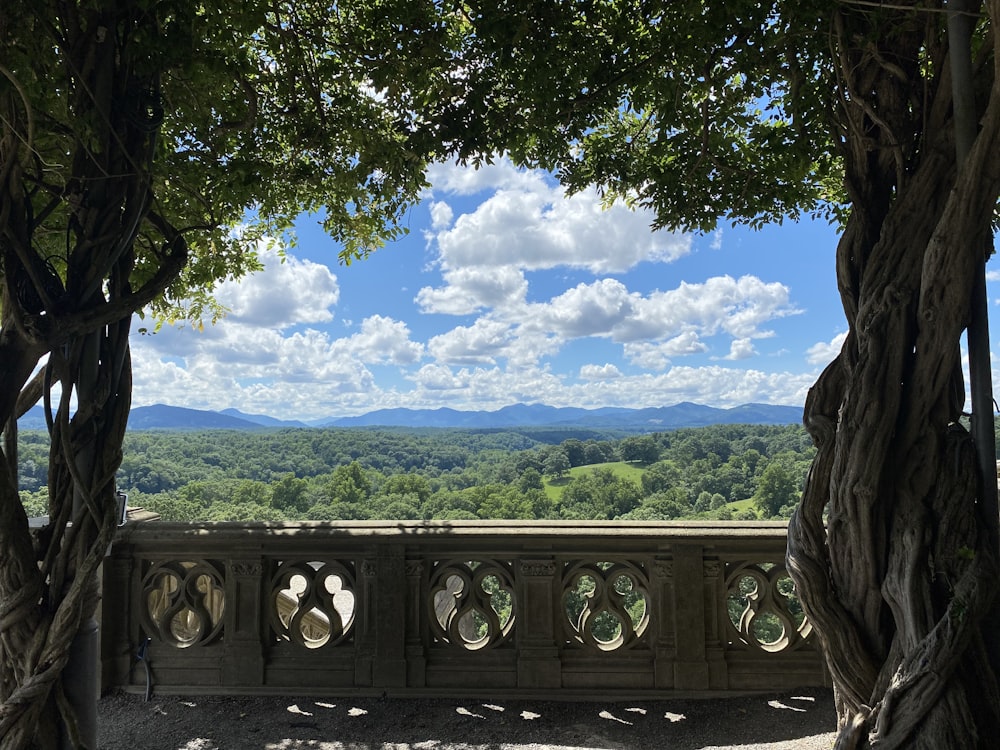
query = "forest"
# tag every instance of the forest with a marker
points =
(725, 472)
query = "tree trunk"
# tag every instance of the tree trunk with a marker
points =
(71, 298)
(891, 550)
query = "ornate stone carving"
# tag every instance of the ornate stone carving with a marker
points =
(607, 605)
(770, 617)
(472, 603)
(414, 568)
(247, 569)
(538, 567)
(184, 602)
(664, 570)
(312, 604)
(369, 568)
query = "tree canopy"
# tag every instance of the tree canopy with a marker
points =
(885, 117)
(146, 148)
(137, 136)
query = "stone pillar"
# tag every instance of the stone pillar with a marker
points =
(82, 684)
(243, 663)
(691, 666)
(662, 615)
(538, 664)
(390, 619)
(715, 646)
(367, 614)
(117, 651)
(416, 658)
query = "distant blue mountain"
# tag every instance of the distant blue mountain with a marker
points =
(539, 415)
(33, 420)
(262, 419)
(163, 417)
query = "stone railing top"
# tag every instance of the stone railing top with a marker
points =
(513, 534)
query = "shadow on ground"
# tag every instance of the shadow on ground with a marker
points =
(800, 719)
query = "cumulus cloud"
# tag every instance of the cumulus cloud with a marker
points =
(482, 342)
(441, 215)
(740, 349)
(664, 324)
(287, 292)
(543, 229)
(606, 371)
(381, 340)
(586, 310)
(468, 290)
(734, 306)
(492, 387)
(296, 381)
(450, 177)
(824, 352)
(656, 355)
(532, 274)
(527, 223)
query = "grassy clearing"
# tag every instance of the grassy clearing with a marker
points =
(621, 469)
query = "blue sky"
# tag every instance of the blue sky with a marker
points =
(506, 291)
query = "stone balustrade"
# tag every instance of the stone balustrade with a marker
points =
(559, 609)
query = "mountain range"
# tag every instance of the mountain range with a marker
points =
(163, 417)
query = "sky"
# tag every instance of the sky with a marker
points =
(507, 291)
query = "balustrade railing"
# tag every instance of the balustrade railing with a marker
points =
(560, 609)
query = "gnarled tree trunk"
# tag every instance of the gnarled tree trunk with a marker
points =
(893, 549)
(67, 239)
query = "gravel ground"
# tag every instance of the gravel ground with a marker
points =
(801, 720)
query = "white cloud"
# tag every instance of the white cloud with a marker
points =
(467, 290)
(491, 388)
(656, 355)
(734, 306)
(500, 175)
(437, 378)
(740, 349)
(606, 371)
(822, 353)
(586, 310)
(663, 324)
(543, 229)
(441, 215)
(482, 342)
(716, 240)
(295, 381)
(500, 262)
(283, 294)
(530, 223)
(381, 340)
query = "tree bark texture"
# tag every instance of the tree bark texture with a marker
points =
(70, 298)
(892, 553)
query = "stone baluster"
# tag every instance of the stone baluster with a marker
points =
(715, 646)
(116, 616)
(538, 663)
(691, 666)
(390, 618)
(365, 625)
(416, 657)
(244, 623)
(662, 615)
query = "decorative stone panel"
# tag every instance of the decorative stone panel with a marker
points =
(183, 602)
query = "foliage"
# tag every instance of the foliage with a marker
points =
(290, 475)
(147, 149)
(884, 116)
(776, 489)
